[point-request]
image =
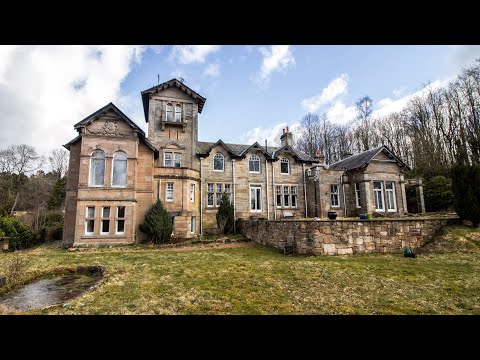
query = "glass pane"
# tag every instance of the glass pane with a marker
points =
(192, 224)
(219, 199)
(252, 198)
(105, 226)
(285, 189)
(279, 200)
(279, 189)
(284, 168)
(377, 185)
(106, 212)
(119, 172)
(90, 225)
(120, 226)
(90, 212)
(219, 188)
(259, 198)
(294, 189)
(294, 200)
(97, 172)
(210, 187)
(227, 187)
(218, 163)
(286, 198)
(389, 185)
(121, 211)
(210, 199)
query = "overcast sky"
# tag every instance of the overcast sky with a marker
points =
(252, 91)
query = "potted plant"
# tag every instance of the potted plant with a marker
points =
(369, 216)
(332, 215)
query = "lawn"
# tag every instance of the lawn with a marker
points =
(257, 280)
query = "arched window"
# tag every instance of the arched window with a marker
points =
(254, 164)
(285, 166)
(218, 162)
(169, 112)
(178, 113)
(97, 168)
(119, 175)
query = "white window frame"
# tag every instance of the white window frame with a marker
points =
(165, 153)
(87, 219)
(252, 159)
(358, 204)
(192, 192)
(176, 107)
(211, 192)
(218, 155)
(334, 194)
(293, 194)
(169, 191)
(229, 191)
(177, 158)
(218, 194)
(375, 191)
(118, 218)
(279, 193)
(285, 161)
(105, 219)
(169, 109)
(392, 190)
(286, 196)
(258, 202)
(126, 168)
(90, 170)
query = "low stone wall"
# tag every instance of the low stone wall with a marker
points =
(343, 237)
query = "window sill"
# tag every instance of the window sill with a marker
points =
(219, 170)
(94, 236)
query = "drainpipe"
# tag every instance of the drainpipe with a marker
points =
(304, 190)
(268, 204)
(274, 193)
(201, 197)
(233, 189)
(344, 200)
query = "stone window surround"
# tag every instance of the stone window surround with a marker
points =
(223, 162)
(215, 193)
(334, 194)
(290, 194)
(250, 186)
(175, 106)
(173, 159)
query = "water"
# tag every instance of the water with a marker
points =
(48, 291)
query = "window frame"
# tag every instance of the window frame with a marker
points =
(279, 195)
(171, 111)
(258, 199)
(175, 112)
(284, 160)
(103, 218)
(192, 192)
(293, 195)
(387, 202)
(126, 168)
(251, 160)
(169, 191)
(90, 168)
(334, 194)
(375, 191)
(217, 156)
(119, 218)
(358, 200)
(88, 218)
(212, 193)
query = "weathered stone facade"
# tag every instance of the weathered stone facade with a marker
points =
(173, 166)
(343, 237)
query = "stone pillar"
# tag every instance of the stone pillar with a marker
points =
(420, 200)
(403, 194)
(365, 188)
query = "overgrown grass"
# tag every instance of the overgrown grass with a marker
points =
(258, 280)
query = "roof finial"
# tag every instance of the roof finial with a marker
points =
(181, 79)
(158, 79)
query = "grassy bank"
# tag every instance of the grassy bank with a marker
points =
(257, 280)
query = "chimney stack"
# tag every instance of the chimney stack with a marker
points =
(347, 154)
(286, 138)
(319, 157)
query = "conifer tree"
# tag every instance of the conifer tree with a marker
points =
(225, 215)
(157, 224)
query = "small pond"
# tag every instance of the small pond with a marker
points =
(51, 289)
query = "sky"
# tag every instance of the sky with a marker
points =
(252, 91)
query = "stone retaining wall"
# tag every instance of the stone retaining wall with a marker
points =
(343, 237)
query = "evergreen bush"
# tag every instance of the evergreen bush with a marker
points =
(466, 189)
(157, 224)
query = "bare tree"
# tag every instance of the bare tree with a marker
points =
(58, 160)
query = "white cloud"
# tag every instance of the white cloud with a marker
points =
(462, 55)
(387, 106)
(278, 58)
(272, 134)
(5, 60)
(186, 54)
(339, 113)
(399, 91)
(334, 89)
(212, 70)
(47, 89)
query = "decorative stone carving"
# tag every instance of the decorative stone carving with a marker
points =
(110, 128)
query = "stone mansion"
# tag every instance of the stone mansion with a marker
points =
(116, 172)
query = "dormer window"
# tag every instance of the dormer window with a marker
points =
(218, 162)
(285, 166)
(254, 164)
(169, 112)
(178, 113)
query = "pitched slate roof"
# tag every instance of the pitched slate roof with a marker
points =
(239, 150)
(110, 107)
(362, 159)
(173, 82)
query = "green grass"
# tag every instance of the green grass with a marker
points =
(258, 280)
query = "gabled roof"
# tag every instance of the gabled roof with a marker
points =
(362, 159)
(239, 150)
(173, 82)
(110, 107)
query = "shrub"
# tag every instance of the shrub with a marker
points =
(53, 218)
(15, 269)
(2, 233)
(157, 224)
(438, 194)
(225, 215)
(56, 231)
(20, 234)
(466, 189)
